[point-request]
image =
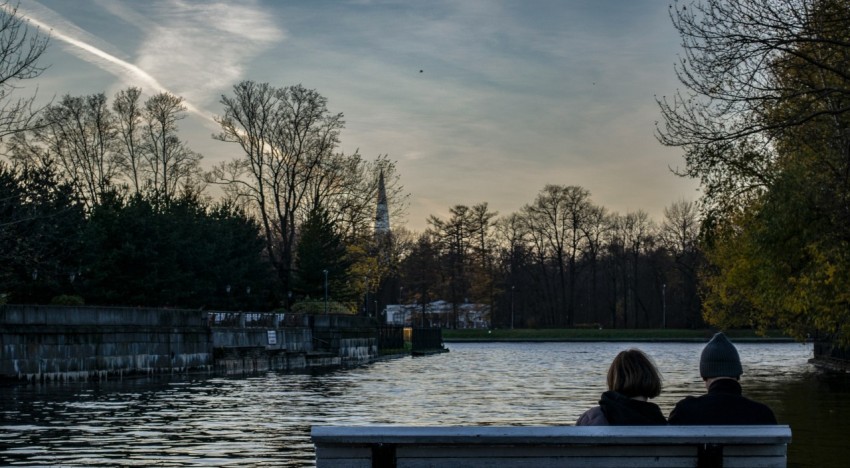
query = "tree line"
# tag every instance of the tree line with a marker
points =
(132, 225)
(561, 261)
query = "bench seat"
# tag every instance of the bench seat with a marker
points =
(551, 446)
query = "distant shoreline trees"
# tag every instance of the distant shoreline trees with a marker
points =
(561, 261)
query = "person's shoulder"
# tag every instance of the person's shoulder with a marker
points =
(683, 411)
(592, 417)
(764, 412)
(688, 400)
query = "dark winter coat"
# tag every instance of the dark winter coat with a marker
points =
(723, 404)
(616, 409)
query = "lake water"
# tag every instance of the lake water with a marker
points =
(265, 420)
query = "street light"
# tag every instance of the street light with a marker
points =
(664, 305)
(326, 290)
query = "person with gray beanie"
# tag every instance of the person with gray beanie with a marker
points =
(720, 369)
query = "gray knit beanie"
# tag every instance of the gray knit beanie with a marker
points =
(720, 359)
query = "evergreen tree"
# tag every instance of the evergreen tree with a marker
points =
(40, 225)
(320, 249)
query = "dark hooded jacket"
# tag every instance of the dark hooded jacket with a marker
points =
(616, 409)
(723, 404)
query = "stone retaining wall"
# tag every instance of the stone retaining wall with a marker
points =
(39, 343)
(78, 343)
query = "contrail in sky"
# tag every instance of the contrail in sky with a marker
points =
(107, 61)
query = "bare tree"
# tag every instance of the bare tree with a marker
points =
(80, 134)
(170, 162)
(286, 135)
(347, 186)
(21, 47)
(559, 214)
(594, 229)
(751, 71)
(637, 231)
(680, 229)
(511, 237)
(128, 117)
(679, 233)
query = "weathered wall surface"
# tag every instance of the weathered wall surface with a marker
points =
(66, 342)
(259, 342)
(78, 343)
(352, 338)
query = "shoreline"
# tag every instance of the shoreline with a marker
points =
(612, 340)
(584, 335)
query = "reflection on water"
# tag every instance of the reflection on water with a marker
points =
(265, 420)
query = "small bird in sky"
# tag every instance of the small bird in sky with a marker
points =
(420, 71)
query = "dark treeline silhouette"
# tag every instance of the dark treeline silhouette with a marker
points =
(129, 250)
(561, 262)
(105, 204)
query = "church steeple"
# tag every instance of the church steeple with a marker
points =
(382, 213)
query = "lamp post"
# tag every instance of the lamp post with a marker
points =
(664, 305)
(326, 290)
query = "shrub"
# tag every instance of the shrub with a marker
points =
(67, 300)
(317, 307)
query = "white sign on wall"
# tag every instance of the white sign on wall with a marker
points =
(272, 337)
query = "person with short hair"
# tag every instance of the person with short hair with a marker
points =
(632, 380)
(720, 369)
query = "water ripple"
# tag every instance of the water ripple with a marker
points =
(265, 420)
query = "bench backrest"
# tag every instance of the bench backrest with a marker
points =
(587, 446)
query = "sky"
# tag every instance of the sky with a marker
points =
(476, 100)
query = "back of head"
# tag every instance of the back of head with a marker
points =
(720, 358)
(633, 374)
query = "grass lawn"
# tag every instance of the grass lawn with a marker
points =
(587, 334)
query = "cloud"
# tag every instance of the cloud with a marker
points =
(191, 50)
(199, 49)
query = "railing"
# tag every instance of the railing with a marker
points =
(255, 319)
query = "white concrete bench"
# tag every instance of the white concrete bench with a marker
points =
(556, 446)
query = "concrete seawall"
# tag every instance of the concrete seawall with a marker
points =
(61, 343)
(49, 343)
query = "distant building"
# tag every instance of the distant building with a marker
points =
(439, 314)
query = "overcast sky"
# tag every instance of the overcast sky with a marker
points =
(512, 95)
